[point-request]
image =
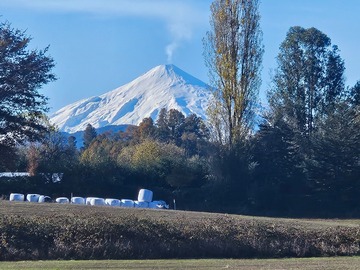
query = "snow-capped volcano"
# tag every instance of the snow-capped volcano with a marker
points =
(165, 86)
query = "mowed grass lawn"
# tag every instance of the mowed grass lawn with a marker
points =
(336, 263)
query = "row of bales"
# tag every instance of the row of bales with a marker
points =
(144, 200)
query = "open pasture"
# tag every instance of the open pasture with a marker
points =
(343, 263)
(33, 231)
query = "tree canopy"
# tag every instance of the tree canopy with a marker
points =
(22, 73)
(233, 53)
(309, 79)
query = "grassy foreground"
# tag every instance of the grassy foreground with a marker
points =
(30, 231)
(343, 263)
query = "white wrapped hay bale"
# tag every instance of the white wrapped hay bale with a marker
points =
(153, 205)
(32, 197)
(62, 200)
(127, 203)
(44, 199)
(145, 195)
(41, 199)
(158, 205)
(17, 197)
(77, 200)
(112, 202)
(97, 201)
(138, 204)
(88, 200)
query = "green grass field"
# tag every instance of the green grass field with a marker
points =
(31, 231)
(342, 263)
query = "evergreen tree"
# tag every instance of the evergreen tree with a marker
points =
(355, 94)
(279, 175)
(311, 127)
(163, 131)
(89, 135)
(71, 143)
(335, 167)
(176, 125)
(195, 135)
(145, 130)
(309, 79)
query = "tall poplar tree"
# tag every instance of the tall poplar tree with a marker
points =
(233, 53)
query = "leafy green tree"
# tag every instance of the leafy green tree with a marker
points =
(147, 157)
(189, 132)
(97, 154)
(187, 172)
(51, 155)
(22, 73)
(233, 53)
(162, 164)
(99, 172)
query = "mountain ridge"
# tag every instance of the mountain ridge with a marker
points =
(164, 86)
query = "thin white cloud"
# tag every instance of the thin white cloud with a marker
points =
(159, 8)
(180, 16)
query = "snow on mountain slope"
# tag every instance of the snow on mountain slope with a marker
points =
(165, 86)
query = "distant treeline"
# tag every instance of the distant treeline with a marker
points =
(275, 171)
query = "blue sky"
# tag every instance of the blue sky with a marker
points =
(99, 45)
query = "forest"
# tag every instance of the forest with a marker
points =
(299, 155)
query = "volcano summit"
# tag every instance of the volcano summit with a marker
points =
(165, 86)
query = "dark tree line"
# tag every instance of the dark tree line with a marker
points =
(307, 149)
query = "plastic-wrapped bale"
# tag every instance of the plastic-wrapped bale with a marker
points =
(44, 199)
(32, 197)
(138, 204)
(62, 200)
(77, 200)
(112, 202)
(88, 200)
(127, 203)
(97, 201)
(158, 205)
(17, 197)
(145, 195)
